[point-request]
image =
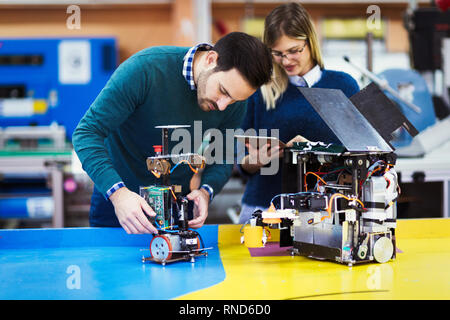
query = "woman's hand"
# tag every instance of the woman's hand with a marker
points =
(259, 157)
(263, 155)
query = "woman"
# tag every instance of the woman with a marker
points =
(290, 34)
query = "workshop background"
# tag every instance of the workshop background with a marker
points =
(56, 56)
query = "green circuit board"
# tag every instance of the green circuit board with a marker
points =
(159, 200)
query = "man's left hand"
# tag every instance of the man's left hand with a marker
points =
(201, 203)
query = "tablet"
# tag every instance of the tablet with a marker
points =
(259, 141)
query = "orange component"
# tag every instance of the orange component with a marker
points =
(168, 244)
(198, 243)
(271, 220)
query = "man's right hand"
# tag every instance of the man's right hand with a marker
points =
(130, 208)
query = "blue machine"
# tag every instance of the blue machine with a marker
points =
(413, 88)
(52, 80)
(26, 207)
(44, 82)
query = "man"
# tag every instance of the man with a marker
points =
(164, 86)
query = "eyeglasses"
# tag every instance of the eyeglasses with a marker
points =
(291, 54)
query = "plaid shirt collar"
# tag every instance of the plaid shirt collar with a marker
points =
(188, 60)
(309, 79)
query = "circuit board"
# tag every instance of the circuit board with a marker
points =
(158, 198)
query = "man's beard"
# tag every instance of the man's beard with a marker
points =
(202, 101)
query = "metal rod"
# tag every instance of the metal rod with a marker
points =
(369, 41)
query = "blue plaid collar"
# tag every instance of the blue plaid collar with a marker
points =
(188, 60)
(309, 79)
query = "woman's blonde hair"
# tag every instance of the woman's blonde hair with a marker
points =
(292, 20)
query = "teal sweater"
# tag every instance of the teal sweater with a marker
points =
(116, 135)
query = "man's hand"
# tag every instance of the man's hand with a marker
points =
(201, 203)
(130, 208)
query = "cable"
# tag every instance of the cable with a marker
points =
(374, 168)
(173, 194)
(331, 172)
(175, 167)
(201, 240)
(318, 177)
(340, 195)
(185, 161)
(326, 174)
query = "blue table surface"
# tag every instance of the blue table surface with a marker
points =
(98, 263)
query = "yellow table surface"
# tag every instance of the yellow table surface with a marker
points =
(420, 271)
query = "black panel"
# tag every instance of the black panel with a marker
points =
(381, 112)
(351, 128)
(420, 199)
(429, 27)
(12, 91)
(314, 250)
(289, 177)
(21, 60)
(286, 240)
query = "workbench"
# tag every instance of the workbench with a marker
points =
(106, 263)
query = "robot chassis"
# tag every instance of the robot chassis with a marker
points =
(342, 205)
(349, 217)
(174, 241)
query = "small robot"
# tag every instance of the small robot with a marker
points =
(174, 241)
(342, 219)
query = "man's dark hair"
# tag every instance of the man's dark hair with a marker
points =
(247, 54)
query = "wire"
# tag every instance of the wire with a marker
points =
(175, 167)
(164, 228)
(374, 168)
(330, 172)
(245, 223)
(339, 195)
(201, 240)
(173, 194)
(318, 177)
(326, 174)
(282, 194)
(193, 169)
(388, 167)
(170, 229)
(185, 161)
